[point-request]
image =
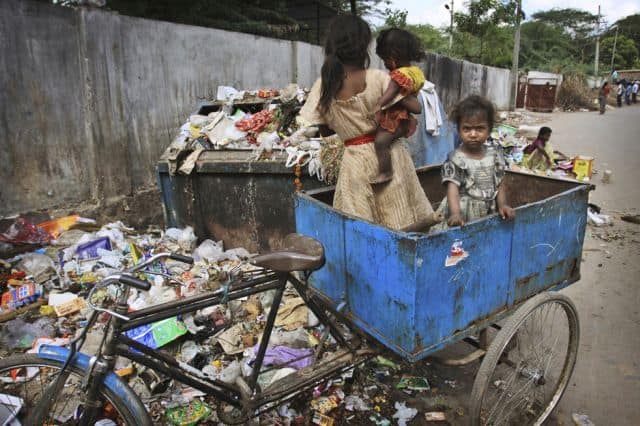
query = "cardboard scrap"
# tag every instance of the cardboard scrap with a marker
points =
(292, 314)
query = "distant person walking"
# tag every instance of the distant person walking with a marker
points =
(602, 96)
(619, 94)
(627, 93)
(614, 77)
(634, 91)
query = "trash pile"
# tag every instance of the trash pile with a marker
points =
(574, 94)
(514, 140)
(44, 295)
(261, 121)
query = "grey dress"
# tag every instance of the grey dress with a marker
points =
(478, 181)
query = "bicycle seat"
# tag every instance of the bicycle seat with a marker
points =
(299, 253)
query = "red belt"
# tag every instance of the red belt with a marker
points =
(360, 140)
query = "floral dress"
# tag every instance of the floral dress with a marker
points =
(478, 182)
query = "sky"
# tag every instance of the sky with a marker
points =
(433, 11)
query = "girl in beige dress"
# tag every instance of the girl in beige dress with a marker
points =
(344, 100)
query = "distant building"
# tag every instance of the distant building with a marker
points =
(537, 91)
(629, 75)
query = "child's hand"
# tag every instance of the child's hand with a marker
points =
(455, 220)
(507, 212)
(377, 108)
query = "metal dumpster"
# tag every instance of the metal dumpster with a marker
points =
(415, 293)
(233, 198)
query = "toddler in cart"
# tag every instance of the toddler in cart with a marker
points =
(397, 48)
(474, 172)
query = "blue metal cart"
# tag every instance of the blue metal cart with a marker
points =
(416, 293)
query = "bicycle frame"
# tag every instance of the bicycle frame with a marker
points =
(116, 343)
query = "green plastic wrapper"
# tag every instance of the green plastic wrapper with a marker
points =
(190, 415)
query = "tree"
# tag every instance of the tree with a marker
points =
(396, 18)
(482, 18)
(264, 17)
(578, 24)
(431, 38)
(626, 52)
(545, 47)
(629, 27)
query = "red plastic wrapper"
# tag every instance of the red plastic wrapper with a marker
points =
(22, 231)
(256, 123)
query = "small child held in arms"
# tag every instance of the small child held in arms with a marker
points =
(474, 171)
(397, 48)
(539, 154)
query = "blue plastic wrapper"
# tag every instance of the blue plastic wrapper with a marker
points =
(89, 250)
(159, 333)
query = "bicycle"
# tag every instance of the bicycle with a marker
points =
(62, 371)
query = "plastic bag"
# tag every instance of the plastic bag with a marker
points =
(40, 266)
(404, 413)
(208, 250)
(22, 231)
(18, 334)
(185, 238)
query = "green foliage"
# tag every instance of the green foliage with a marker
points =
(626, 52)
(580, 22)
(483, 22)
(544, 47)
(431, 38)
(629, 27)
(395, 18)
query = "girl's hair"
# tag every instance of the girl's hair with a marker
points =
(347, 42)
(544, 131)
(398, 44)
(605, 84)
(472, 106)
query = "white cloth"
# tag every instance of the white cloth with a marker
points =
(431, 102)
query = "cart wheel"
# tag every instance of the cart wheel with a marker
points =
(528, 365)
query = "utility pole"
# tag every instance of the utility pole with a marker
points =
(516, 54)
(450, 8)
(597, 44)
(613, 54)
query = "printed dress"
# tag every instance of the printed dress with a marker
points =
(410, 80)
(478, 182)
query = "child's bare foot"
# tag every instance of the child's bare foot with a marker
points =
(381, 178)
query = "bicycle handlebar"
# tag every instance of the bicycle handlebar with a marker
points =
(134, 282)
(181, 258)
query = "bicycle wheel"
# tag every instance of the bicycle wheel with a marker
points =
(24, 379)
(528, 366)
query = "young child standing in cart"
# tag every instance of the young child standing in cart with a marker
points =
(397, 48)
(474, 171)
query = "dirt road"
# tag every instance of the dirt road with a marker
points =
(606, 381)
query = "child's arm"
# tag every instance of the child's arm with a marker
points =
(453, 201)
(411, 103)
(506, 211)
(546, 156)
(392, 91)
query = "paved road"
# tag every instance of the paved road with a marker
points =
(606, 381)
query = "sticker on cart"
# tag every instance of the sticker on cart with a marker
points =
(456, 254)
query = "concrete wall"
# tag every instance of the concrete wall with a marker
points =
(90, 99)
(456, 79)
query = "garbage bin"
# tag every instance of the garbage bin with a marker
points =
(231, 197)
